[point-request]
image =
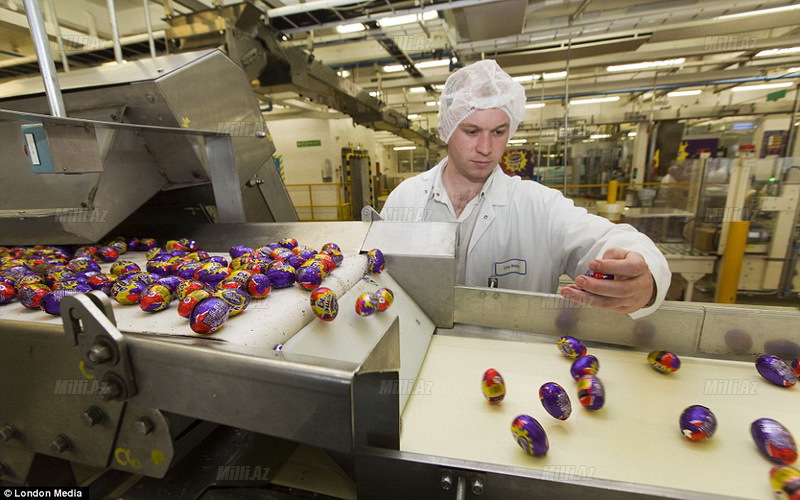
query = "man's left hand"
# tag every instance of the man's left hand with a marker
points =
(631, 289)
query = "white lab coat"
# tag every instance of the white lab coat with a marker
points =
(527, 234)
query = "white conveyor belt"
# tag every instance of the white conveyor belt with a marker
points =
(265, 323)
(634, 438)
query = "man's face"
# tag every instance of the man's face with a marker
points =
(478, 143)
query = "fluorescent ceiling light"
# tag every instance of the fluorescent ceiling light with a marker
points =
(525, 78)
(393, 68)
(404, 148)
(793, 70)
(554, 76)
(375, 93)
(599, 136)
(632, 134)
(647, 65)
(350, 28)
(343, 73)
(518, 141)
(416, 90)
(759, 12)
(765, 86)
(534, 105)
(431, 103)
(778, 52)
(684, 93)
(411, 18)
(413, 116)
(594, 100)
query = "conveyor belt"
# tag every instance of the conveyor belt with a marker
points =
(635, 438)
(265, 323)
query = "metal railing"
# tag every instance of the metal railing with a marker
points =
(319, 201)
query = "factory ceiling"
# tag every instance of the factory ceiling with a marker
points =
(402, 50)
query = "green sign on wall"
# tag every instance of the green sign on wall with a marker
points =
(308, 144)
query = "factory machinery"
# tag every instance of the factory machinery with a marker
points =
(152, 410)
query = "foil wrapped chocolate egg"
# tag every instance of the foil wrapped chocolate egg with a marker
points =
(295, 260)
(571, 347)
(84, 264)
(331, 246)
(776, 370)
(324, 304)
(774, 441)
(79, 285)
(591, 393)
(51, 302)
(281, 275)
(385, 298)
(237, 279)
(376, 263)
(309, 277)
(107, 254)
(334, 254)
(31, 279)
(289, 243)
(171, 282)
(493, 386)
(555, 400)
(795, 366)
(785, 482)
(127, 291)
(238, 250)
(7, 293)
(187, 269)
(600, 276)
(189, 244)
(530, 435)
(259, 286)
(212, 273)
(584, 365)
(103, 282)
(209, 315)
(366, 304)
(162, 267)
(154, 298)
(191, 299)
(664, 361)
(697, 423)
(325, 261)
(236, 298)
(121, 267)
(31, 295)
(187, 286)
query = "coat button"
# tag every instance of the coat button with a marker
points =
(485, 216)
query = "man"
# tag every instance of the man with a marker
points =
(521, 234)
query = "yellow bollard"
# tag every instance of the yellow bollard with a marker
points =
(612, 192)
(732, 262)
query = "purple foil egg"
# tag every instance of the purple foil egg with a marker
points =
(591, 393)
(236, 298)
(366, 304)
(774, 441)
(376, 262)
(239, 250)
(259, 286)
(155, 298)
(697, 423)
(51, 302)
(555, 400)
(530, 435)
(571, 347)
(281, 275)
(31, 295)
(776, 370)
(664, 361)
(309, 277)
(584, 365)
(171, 282)
(209, 315)
(600, 276)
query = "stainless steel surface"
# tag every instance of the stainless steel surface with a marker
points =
(673, 326)
(409, 248)
(225, 179)
(46, 65)
(150, 40)
(160, 92)
(390, 474)
(112, 17)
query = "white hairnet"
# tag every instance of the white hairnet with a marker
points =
(481, 85)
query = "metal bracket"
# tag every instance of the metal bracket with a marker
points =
(461, 480)
(89, 323)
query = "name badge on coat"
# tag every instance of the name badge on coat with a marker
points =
(511, 266)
